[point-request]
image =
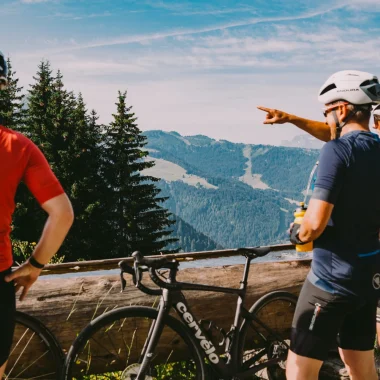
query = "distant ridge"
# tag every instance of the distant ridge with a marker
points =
(233, 194)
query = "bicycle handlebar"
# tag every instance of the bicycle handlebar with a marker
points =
(154, 262)
(144, 264)
(137, 274)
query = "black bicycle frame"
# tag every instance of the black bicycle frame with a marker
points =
(175, 299)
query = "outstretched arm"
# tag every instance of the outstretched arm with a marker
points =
(317, 129)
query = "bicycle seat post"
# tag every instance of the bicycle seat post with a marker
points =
(244, 281)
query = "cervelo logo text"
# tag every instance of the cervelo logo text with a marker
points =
(207, 346)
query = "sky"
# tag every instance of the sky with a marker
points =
(192, 66)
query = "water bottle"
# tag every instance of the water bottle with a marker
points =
(299, 213)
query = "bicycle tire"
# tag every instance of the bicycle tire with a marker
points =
(35, 351)
(281, 306)
(93, 354)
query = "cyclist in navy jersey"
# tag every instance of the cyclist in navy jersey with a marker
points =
(339, 296)
(322, 132)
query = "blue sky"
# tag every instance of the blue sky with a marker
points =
(196, 67)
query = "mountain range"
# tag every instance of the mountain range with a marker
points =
(228, 195)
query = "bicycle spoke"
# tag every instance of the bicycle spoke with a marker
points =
(34, 354)
(117, 347)
(268, 342)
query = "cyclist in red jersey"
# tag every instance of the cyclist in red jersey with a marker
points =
(21, 160)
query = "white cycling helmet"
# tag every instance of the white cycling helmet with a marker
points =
(376, 110)
(355, 87)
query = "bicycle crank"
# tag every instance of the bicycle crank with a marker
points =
(278, 350)
(131, 372)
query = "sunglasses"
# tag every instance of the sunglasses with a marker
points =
(376, 117)
(330, 108)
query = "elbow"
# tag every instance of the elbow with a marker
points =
(69, 217)
(65, 215)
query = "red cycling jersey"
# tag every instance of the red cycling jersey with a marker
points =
(20, 160)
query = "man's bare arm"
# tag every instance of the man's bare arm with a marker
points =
(57, 226)
(318, 129)
(315, 220)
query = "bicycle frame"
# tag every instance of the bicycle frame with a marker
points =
(175, 299)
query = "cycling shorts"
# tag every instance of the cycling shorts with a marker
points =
(321, 319)
(7, 316)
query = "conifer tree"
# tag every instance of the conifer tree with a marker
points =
(28, 218)
(135, 215)
(49, 125)
(12, 108)
(87, 237)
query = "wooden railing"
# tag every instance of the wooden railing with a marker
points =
(95, 265)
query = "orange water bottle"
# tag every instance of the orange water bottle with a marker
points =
(299, 214)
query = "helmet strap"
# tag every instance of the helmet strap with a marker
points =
(339, 125)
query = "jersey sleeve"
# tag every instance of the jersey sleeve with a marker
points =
(332, 168)
(39, 178)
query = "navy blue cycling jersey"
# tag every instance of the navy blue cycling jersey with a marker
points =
(346, 257)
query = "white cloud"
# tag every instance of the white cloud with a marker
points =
(124, 40)
(34, 1)
(92, 67)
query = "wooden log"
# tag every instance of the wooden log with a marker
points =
(66, 306)
(93, 265)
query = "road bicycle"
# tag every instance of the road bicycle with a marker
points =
(35, 353)
(136, 342)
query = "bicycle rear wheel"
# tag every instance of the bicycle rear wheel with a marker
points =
(35, 353)
(276, 310)
(110, 348)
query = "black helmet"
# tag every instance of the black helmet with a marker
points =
(3, 71)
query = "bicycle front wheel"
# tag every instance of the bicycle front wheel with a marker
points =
(275, 310)
(110, 348)
(35, 353)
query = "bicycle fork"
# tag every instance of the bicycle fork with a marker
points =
(154, 334)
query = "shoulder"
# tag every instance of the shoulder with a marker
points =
(15, 142)
(339, 149)
(15, 136)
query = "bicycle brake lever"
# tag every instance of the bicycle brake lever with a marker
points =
(123, 282)
(222, 334)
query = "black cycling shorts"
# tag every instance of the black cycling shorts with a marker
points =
(321, 318)
(7, 316)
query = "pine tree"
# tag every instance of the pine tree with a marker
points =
(135, 216)
(12, 108)
(28, 218)
(39, 110)
(87, 237)
(50, 125)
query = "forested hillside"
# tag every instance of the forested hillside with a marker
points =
(189, 239)
(231, 210)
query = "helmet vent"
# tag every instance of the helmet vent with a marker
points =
(328, 88)
(369, 82)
